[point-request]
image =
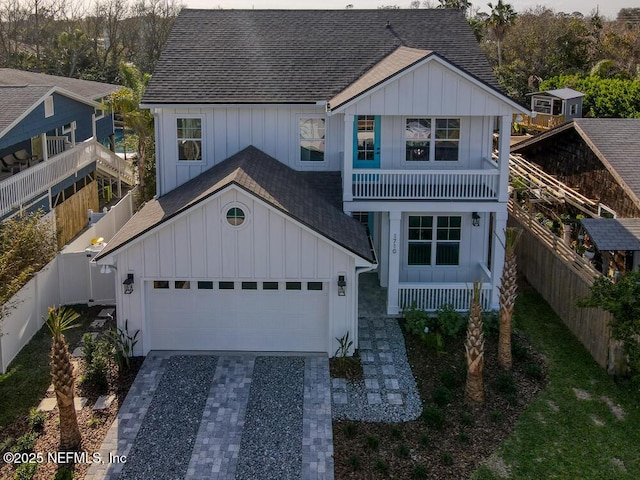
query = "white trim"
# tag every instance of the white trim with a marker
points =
(434, 240)
(203, 146)
(417, 206)
(224, 211)
(49, 108)
(432, 141)
(432, 58)
(169, 105)
(301, 116)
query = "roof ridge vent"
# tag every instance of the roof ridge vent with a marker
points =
(388, 24)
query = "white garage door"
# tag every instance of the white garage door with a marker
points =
(252, 316)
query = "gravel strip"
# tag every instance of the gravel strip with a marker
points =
(271, 445)
(360, 405)
(163, 446)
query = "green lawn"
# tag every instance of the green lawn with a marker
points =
(28, 376)
(561, 436)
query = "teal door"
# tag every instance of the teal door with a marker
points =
(366, 141)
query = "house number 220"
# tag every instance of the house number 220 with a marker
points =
(395, 244)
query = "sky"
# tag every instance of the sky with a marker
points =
(608, 8)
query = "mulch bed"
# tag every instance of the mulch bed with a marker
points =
(93, 425)
(348, 367)
(467, 436)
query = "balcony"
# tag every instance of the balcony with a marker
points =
(37, 179)
(426, 184)
(541, 122)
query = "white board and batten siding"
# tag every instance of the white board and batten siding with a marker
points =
(199, 245)
(228, 130)
(431, 89)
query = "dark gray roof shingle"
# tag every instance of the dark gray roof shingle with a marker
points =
(264, 177)
(298, 56)
(614, 233)
(84, 88)
(14, 101)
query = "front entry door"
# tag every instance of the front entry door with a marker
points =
(366, 140)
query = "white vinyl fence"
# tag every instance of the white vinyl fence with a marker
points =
(67, 280)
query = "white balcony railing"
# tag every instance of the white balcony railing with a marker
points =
(33, 181)
(116, 166)
(426, 184)
(431, 296)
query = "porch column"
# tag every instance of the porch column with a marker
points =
(394, 263)
(497, 256)
(503, 157)
(347, 167)
(45, 147)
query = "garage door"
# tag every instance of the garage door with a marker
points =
(252, 316)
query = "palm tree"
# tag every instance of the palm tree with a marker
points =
(474, 349)
(508, 294)
(58, 321)
(126, 102)
(502, 17)
(463, 5)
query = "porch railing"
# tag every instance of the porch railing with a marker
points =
(57, 145)
(23, 186)
(114, 165)
(431, 296)
(542, 121)
(426, 184)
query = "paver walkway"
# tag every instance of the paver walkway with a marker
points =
(216, 448)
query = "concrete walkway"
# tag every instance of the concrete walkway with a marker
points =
(216, 449)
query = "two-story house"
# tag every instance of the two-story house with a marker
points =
(51, 154)
(298, 149)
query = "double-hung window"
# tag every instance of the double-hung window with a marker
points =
(432, 139)
(311, 138)
(426, 249)
(189, 138)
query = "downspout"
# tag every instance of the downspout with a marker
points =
(360, 270)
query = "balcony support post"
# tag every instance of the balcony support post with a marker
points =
(503, 157)
(347, 159)
(497, 256)
(45, 147)
(394, 263)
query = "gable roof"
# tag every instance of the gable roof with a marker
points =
(615, 141)
(614, 233)
(15, 101)
(561, 93)
(84, 88)
(261, 176)
(299, 56)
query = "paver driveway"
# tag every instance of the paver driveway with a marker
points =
(223, 417)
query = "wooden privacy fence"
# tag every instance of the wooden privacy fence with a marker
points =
(562, 276)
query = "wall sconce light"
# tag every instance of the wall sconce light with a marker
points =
(342, 283)
(106, 269)
(476, 219)
(128, 284)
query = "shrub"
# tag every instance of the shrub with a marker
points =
(403, 451)
(25, 471)
(350, 430)
(122, 345)
(396, 432)
(466, 419)
(519, 351)
(6, 444)
(371, 442)
(37, 418)
(381, 466)
(419, 472)
(433, 417)
(354, 462)
(534, 370)
(424, 440)
(491, 323)
(447, 459)
(463, 437)
(25, 443)
(442, 396)
(506, 384)
(449, 322)
(98, 368)
(450, 379)
(416, 320)
(64, 473)
(89, 347)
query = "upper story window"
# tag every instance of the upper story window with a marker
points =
(189, 138)
(48, 107)
(430, 139)
(312, 131)
(423, 250)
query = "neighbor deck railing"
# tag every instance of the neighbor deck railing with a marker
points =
(426, 184)
(24, 186)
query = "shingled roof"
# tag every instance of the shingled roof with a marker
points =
(614, 233)
(264, 177)
(84, 88)
(15, 101)
(615, 141)
(299, 56)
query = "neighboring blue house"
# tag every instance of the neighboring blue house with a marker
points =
(51, 154)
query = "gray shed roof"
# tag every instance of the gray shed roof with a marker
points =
(561, 93)
(14, 101)
(264, 177)
(83, 88)
(614, 233)
(299, 56)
